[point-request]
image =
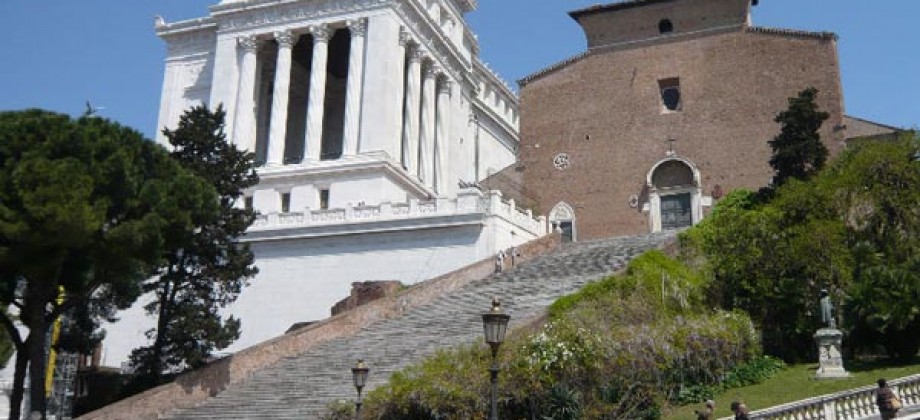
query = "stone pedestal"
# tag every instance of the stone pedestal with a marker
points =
(830, 358)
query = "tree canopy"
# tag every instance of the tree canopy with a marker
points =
(853, 228)
(86, 210)
(797, 149)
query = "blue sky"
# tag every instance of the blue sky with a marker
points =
(57, 54)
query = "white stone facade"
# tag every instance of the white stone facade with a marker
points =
(369, 118)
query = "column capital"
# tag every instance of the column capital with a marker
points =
(321, 33)
(357, 27)
(446, 85)
(431, 71)
(285, 39)
(248, 43)
(405, 38)
(415, 53)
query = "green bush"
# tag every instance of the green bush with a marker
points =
(619, 348)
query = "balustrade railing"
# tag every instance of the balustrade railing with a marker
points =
(854, 404)
(466, 203)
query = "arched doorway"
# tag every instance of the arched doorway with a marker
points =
(562, 217)
(674, 194)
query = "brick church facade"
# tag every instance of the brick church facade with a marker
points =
(670, 108)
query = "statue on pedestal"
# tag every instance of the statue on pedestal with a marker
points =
(830, 342)
(827, 310)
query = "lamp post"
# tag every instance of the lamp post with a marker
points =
(495, 324)
(359, 373)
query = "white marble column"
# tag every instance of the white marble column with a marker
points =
(400, 76)
(278, 131)
(426, 142)
(244, 132)
(317, 100)
(442, 136)
(411, 116)
(358, 30)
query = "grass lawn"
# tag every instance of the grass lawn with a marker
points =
(796, 383)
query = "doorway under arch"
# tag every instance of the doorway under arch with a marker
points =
(562, 218)
(675, 194)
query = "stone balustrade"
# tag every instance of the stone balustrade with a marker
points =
(489, 204)
(854, 404)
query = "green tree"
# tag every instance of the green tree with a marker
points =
(205, 271)
(879, 197)
(797, 150)
(85, 207)
(771, 260)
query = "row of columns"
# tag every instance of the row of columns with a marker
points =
(245, 128)
(425, 100)
(425, 122)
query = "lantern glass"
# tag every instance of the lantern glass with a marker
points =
(359, 372)
(495, 324)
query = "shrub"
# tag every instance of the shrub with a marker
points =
(616, 349)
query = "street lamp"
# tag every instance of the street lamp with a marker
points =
(359, 373)
(495, 324)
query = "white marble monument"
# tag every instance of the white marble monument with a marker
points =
(366, 116)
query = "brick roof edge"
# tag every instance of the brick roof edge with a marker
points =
(795, 33)
(549, 69)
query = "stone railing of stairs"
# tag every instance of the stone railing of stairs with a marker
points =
(853, 404)
(311, 374)
(197, 386)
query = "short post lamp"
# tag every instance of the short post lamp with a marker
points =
(359, 373)
(495, 324)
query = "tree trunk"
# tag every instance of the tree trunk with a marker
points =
(35, 345)
(19, 379)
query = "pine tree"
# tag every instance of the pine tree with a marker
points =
(208, 269)
(797, 150)
(84, 207)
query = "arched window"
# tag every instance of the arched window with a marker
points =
(665, 26)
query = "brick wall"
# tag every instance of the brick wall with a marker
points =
(605, 111)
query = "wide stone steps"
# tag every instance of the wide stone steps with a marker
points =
(301, 387)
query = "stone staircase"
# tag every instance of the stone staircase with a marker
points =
(300, 387)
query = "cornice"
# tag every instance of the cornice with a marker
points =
(477, 218)
(375, 162)
(482, 68)
(792, 33)
(552, 68)
(428, 34)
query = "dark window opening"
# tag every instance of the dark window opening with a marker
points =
(670, 93)
(665, 26)
(285, 202)
(247, 203)
(324, 199)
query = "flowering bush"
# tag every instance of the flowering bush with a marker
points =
(618, 349)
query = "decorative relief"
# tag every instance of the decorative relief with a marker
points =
(562, 161)
(357, 27)
(321, 33)
(285, 39)
(562, 211)
(415, 53)
(431, 71)
(248, 43)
